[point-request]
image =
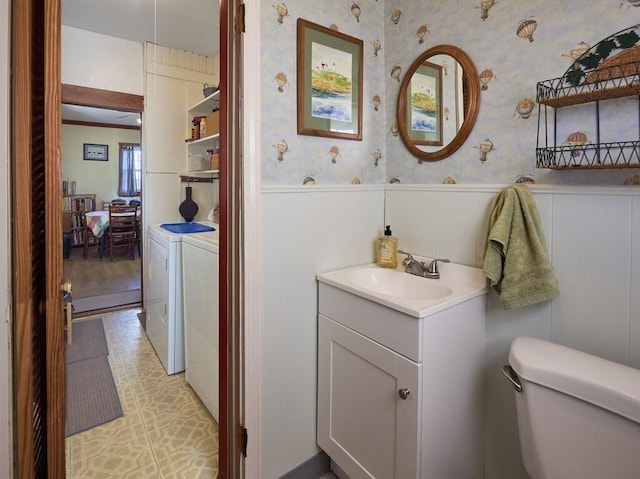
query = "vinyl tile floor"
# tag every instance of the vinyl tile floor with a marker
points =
(165, 432)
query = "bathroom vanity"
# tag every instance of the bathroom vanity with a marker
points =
(400, 372)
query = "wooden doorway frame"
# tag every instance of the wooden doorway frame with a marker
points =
(95, 97)
(37, 240)
(27, 305)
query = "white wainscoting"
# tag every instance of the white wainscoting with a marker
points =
(592, 235)
(305, 231)
(593, 240)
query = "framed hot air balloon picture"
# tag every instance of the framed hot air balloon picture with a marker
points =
(329, 77)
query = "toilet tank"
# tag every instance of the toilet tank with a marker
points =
(578, 415)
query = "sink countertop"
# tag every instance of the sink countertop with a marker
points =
(464, 282)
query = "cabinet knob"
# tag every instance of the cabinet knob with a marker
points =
(404, 393)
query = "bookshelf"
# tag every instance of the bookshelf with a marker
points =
(74, 207)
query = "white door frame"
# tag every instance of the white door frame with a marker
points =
(252, 238)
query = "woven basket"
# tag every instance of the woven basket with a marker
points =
(208, 90)
(626, 63)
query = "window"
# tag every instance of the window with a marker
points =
(130, 183)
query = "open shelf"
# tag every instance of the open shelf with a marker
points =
(610, 70)
(207, 105)
(206, 139)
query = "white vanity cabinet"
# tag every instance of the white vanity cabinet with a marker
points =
(401, 396)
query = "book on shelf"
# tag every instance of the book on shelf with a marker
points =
(83, 203)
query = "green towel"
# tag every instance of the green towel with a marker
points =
(516, 259)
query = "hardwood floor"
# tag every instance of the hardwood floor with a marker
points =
(95, 276)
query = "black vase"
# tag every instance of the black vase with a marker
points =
(188, 208)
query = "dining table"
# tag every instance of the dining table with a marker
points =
(98, 222)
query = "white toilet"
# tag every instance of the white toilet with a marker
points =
(578, 415)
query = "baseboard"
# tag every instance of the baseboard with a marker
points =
(312, 468)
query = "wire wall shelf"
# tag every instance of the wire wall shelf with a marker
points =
(605, 84)
(621, 154)
(609, 70)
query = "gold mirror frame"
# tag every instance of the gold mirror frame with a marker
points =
(471, 84)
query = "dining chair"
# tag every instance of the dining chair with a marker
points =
(123, 226)
(89, 239)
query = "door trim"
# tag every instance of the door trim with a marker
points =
(252, 245)
(36, 101)
(111, 100)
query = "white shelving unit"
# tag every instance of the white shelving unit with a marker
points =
(200, 146)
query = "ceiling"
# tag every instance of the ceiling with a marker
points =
(191, 26)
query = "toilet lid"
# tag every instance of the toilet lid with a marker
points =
(601, 382)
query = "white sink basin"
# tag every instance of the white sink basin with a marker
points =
(396, 283)
(410, 294)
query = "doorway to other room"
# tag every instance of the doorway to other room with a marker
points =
(101, 166)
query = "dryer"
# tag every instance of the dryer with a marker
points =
(200, 267)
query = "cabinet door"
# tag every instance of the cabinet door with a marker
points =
(363, 423)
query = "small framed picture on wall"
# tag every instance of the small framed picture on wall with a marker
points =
(95, 152)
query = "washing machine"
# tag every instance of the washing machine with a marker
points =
(200, 270)
(163, 291)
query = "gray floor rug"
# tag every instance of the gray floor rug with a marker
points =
(106, 301)
(91, 393)
(88, 341)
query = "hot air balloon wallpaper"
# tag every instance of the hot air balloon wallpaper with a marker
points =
(577, 138)
(309, 180)
(485, 77)
(329, 82)
(485, 147)
(577, 51)
(356, 181)
(334, 152)
(394, 181)
(376, 156)
(396, 71)
(376, 102)
(282, 147)
(632, 180)
(393, 129)
(525, 179)
(281, 79)
(448, 181)
(524, 108)
(377, 46)
(282, 11)
(484, 7)
(422, 31)
(395, 16)
(355, 11)
(526, 29)
(445, 67)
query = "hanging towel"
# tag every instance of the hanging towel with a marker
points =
(516, 260)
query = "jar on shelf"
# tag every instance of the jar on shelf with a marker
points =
(203, 127)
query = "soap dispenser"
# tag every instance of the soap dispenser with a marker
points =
(387, 250)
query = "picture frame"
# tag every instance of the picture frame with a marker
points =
(424, 105)
(329, 82)
(95, 152)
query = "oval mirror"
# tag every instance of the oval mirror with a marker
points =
(438, 102)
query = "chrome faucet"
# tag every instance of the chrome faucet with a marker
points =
(419, 268)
